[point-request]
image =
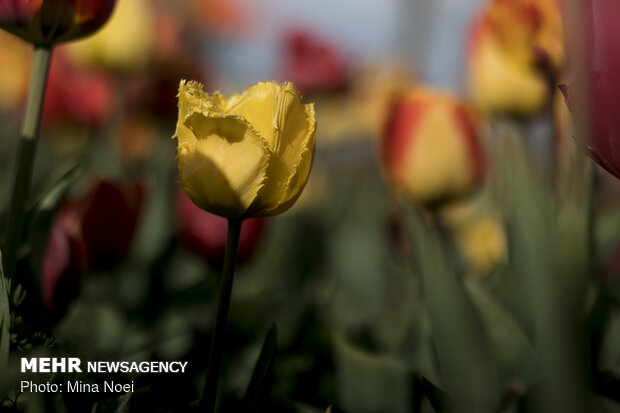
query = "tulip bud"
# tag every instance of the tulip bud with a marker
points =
(483, 243)
(50, 22)
(602, 66)
(246, 156)
(430, 148)
(205, 233)
(515, 49)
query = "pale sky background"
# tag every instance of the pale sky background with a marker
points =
(428, 34)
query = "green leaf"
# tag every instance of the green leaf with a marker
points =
(511, 346)
(436, 397)
(368, 382)
(609, 355)
(605, 405)
(57, 187)
(549, 252)
(5, 321)
(42, 212)
(259, 387)
(463, 349)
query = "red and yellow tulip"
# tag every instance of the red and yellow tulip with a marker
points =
(430, 148)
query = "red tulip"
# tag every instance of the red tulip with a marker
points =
(77, 94)
(90, 233)
(313, 64)
(49, 22)
(205, 233)
(109, 222)
(603, 67)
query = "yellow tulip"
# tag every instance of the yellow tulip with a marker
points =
(125, 43)
(515, 48)
(246, 156)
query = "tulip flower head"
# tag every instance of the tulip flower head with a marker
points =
(430, 148)
(313, 64)
(515, 47)
(50, 22)
(603, 65)
(246, 156)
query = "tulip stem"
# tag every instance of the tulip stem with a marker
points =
(209, 395)
(25, 156)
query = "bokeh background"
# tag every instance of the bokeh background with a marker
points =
(389, 294)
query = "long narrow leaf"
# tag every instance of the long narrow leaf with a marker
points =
(466, 362)
(259, 386)
(5, 321)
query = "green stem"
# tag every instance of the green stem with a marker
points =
(209, 394)
(26, 155)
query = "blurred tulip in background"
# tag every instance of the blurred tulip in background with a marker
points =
(430, 149)
(205, 233)
(90, 233)
(49, 22)
(313, 64)
(77, 94)
(15, 60)
(483, 243)
(126, 42)
(109, 221)
(603, 66)
(515, 50)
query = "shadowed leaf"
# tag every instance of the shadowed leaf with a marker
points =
(260, 386)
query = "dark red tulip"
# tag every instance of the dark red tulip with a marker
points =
(90, 233)
(154, 93)
(205, 233)
(50, 22)
(313, 64)
(109, 222)
(603, 66)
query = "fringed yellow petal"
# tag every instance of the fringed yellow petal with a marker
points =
(276, 197)
(276, 111)
(192, 99)
(225, 166)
